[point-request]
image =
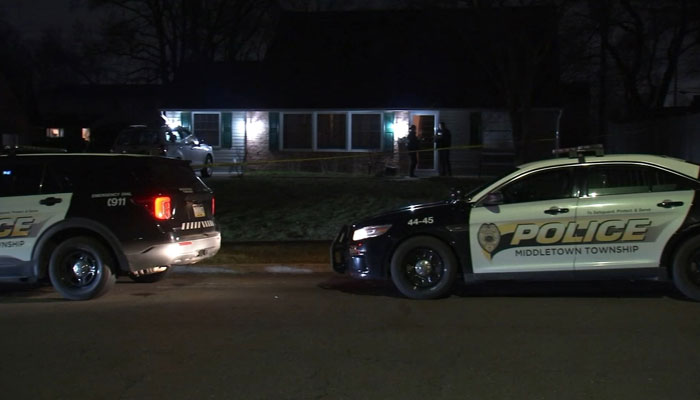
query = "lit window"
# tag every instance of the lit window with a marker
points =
(173, 119)
(54, 132)
(85, 134)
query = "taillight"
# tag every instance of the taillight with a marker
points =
(161, 207)
(213, 206)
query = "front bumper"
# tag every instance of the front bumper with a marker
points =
(356, 259)
(187, 250)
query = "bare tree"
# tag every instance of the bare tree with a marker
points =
(646, 40)
(516, 55)
(157, 37)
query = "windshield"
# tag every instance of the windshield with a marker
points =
(135, 137)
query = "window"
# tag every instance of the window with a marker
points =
(207, 127)
(297, 130)
(546, 185)
(628, 179)
(21, 179)
(366, 131)
(662, 181)
(54, 132)
(607, 180)
(331, 130)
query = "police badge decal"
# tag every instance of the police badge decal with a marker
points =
(489, 236)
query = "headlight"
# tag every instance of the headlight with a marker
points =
(369, 232)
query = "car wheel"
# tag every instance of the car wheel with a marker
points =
(80, 268)
(686, 268)
(207, 170)
(151, 275)
(424, 267)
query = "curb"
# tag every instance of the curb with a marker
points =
(253, 269)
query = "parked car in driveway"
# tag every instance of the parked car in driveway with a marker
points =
(589, 216)
(169, 142)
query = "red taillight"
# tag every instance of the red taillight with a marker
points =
(161, 207)
(213, 206)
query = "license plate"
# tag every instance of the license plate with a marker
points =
(198, 211)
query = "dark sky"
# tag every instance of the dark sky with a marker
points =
(31, 16)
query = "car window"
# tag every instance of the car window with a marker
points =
(664, 181)
(545, 185)
(630, 179)
(87, 174)
(173, 136)
(20, 179)
(138, 137)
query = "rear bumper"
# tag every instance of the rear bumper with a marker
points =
(188, 250)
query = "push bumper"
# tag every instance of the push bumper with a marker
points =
(187, 250)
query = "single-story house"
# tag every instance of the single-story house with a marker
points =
(339, 90)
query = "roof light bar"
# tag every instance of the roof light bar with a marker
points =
(580, 151)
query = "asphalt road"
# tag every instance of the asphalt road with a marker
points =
(321, 336)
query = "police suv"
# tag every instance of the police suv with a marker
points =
(587, 216)
(80, 220)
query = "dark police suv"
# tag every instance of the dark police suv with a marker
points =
(586, 216)
(80, 220)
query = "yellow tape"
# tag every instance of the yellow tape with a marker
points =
(357, 155)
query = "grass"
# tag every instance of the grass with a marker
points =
(283, 217)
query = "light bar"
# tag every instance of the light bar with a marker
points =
(579, 151)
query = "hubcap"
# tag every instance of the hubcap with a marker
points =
(82, 269)
(424, 268)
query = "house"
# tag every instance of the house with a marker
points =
(338, 91)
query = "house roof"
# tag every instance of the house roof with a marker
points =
(373, 59)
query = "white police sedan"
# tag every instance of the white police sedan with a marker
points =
(588, 216)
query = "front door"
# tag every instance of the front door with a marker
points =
(426, 125)
(531, 230)
(24, 212)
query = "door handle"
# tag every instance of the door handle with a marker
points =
(669, 204)
(49, 201)
(556, 210)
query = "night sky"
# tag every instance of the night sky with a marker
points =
(31, 16)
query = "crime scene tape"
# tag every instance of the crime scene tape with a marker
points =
(307, 159)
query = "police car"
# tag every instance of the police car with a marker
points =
(589, 216)
(80, 220)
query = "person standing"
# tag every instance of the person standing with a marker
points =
(443, 142)
(412, 147)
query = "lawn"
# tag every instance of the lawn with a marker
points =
(278, 207)
(292, 218)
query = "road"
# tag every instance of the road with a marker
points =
(322, 336)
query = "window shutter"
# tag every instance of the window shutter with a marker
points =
(388, 139)
(226, 122)
(274, 131)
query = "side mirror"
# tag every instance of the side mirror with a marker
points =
(493, 199)
(456, 194)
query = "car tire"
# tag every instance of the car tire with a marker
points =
(208, 169)
(424, 267)
(686, 268)
(150, 278)
(80, 268)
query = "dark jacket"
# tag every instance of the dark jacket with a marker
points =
(412, 141)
